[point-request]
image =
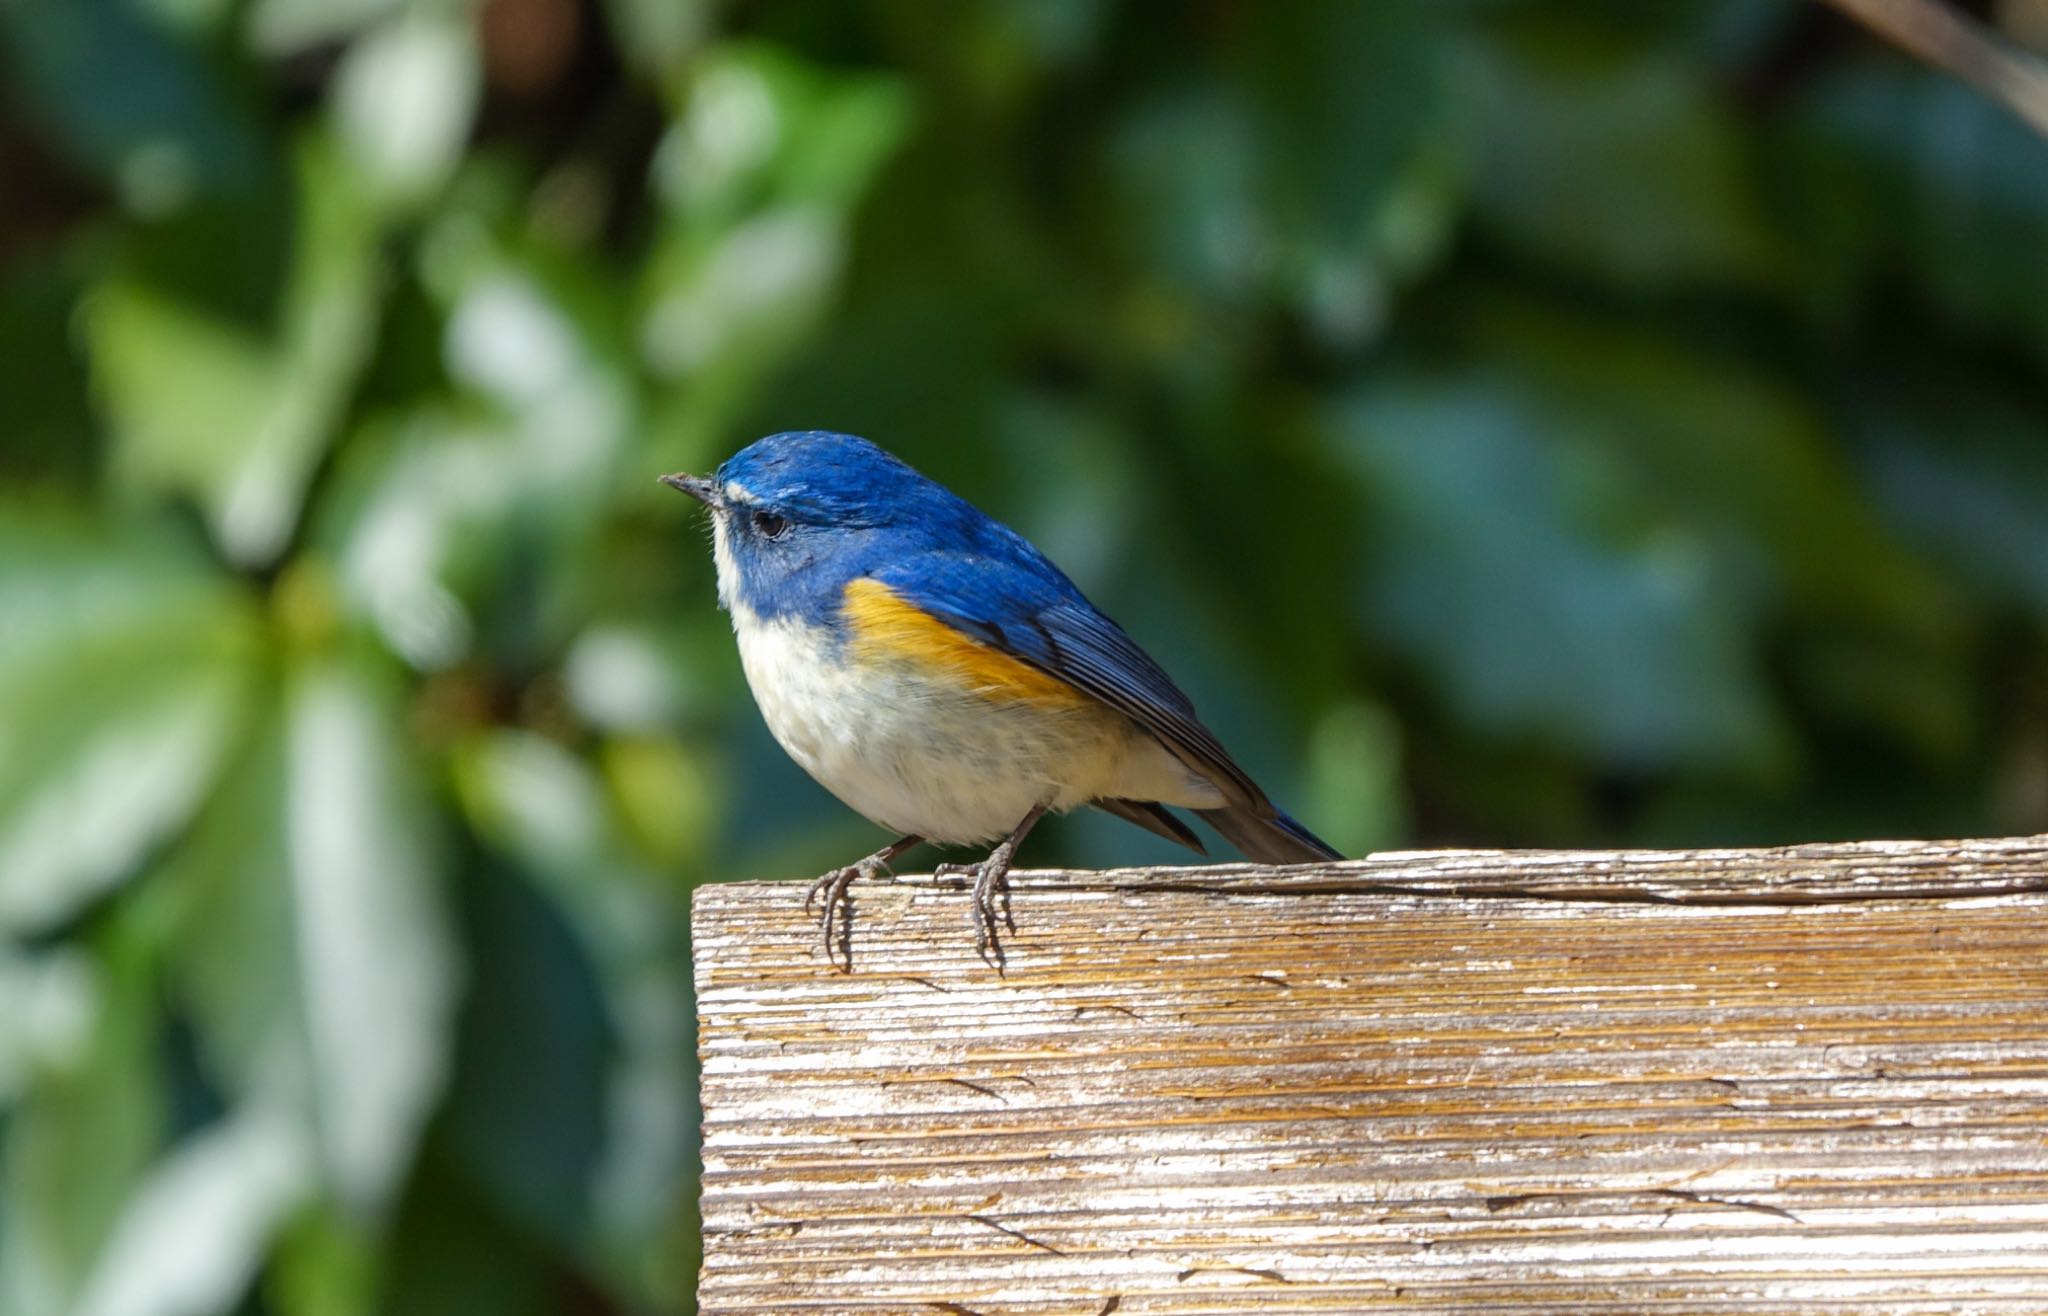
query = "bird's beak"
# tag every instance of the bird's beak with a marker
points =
(703, 490)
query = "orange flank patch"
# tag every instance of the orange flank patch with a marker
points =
(887, 629)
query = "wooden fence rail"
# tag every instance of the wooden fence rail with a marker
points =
(1795, 1079)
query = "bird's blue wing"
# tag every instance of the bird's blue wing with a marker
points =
(1019, 603)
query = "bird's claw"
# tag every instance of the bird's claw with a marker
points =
(991, 903)
(991, 888)
(831, 891)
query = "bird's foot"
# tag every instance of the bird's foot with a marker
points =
(831, 892)
(991, 900)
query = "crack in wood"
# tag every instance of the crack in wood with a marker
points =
(1685, 1195)
(1256, 1272)
(1016, 1234)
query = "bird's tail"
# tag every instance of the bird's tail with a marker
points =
(1272, 838)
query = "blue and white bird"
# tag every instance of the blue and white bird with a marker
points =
(934, 671)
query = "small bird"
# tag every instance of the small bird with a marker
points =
(939, 675)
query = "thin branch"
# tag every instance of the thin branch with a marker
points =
(1948, 39)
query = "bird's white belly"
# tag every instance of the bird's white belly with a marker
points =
(921, 754)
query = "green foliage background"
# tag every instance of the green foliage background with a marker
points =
(1561, 423)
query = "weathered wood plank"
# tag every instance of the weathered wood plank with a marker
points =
(1758, 1080)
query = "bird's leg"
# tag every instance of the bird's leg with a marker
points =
(992, 884)
(831, 891)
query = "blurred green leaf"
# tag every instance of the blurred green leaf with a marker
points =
(1359, 145)
(193, 1236)
(317, 950)
(760, 130)
(1325, 172)
(78, 1144)
(544, 808)
(46, 427)
(1919, 697)
(718, 314)
(760, 173)
(1722, 446)
(667, 797)
(1678, 438)
(453, 1250)
(1491, 575)
(1959, 460)
(1897, 175)
(404, 99)
(286, 27)
(659, 35)
(325, 1265)
(130, 101)
(1185, 166)
(534, 1136)
(431, 489)
(197, 17)
(238, 420)
(51, 1007)
(123, 672)
(1620, 163)
(620, 679)
(1354, 797)
(455, 503)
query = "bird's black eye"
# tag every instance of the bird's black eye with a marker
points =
(770, 526)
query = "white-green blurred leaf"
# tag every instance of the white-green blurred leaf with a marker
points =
(534, 799)
(520, 475)
(404, 99)
(193, 1236)
(123, 668)
(621, 679)
(760, 129)
(287, 27)
(376, 963)
(319, 955)
(749, 296)
(534, 347)
(430, 524)
(232, 417)
(761, 174)
(512, 342)
(438, 486)
(80, 1140)
(51, 1003)
(659, 35)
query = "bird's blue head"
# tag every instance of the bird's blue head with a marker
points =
(798, 515)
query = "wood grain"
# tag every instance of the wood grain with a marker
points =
(1770, 1080)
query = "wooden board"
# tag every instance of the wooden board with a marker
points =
(1800, 1079)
